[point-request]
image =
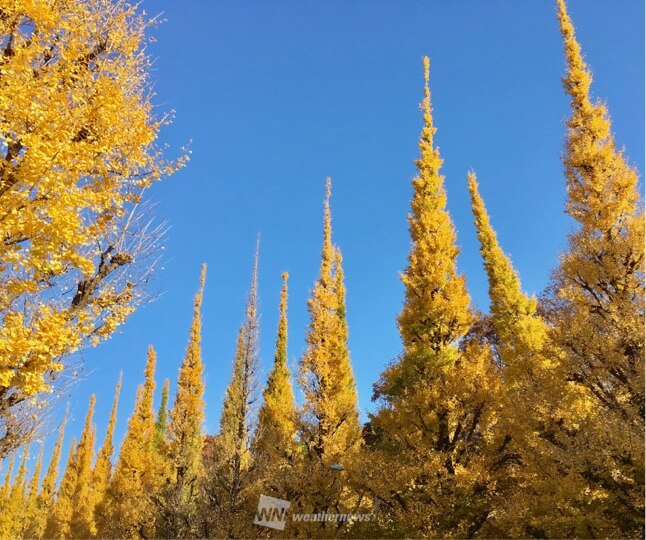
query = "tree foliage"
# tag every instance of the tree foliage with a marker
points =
(527, 421)
(439, 400)
(128, 509)
(77, 142)
(274, 445)
(228, 478)
(184, 433)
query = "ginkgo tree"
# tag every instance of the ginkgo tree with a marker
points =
(527, 421)
(77, 152)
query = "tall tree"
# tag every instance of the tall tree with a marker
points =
(35, 477)
(161, 422)
(6, 515)
(436, 309)
(330, 427)
(329, 430)
(6, 486)
(538, 406)
(185, 436)
(228, 478)
(58, 519)
(82, 524)
(45, 499)
(601, 274)
(128, 509)
(439, 400)
(598, 304)
(274, 442)
(521, 332)
(78, 151)
(14, 508)
(275, 449)
(73, 514)
(102, 471)
(18, 488)
(31, 502)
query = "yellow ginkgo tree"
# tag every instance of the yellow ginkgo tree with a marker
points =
(77, 149)
(429, 444)
(228, 477)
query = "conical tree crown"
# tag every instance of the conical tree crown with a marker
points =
(275, 436)
(82, 523)
(46, 495)
(18, 486)
(103, 466)
(600, 278)
(439, 400)
(229, 470)
(331, 419)
(14, 508)
(32, 507)
(35, 477)
(58, 523)
(520, 331)
(601, 274)
(49, 482)
(7, 516)
(187, 414)
(161, 423)
(184, 438)
(71, 514)
(602, 187)
(602, 271)
(436, 312)
(146, 410)
(436, 309)
(236, 412)
(6, 486)
(233, 401)
(597, 315)
(127, 509)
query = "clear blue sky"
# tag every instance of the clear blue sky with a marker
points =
(276, 96)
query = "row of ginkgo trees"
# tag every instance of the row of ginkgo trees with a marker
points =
(526, 422)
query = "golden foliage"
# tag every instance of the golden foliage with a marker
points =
(58, 519)
(526, 422)
(128, 508)
(274, 443)
(45, 498)
(432, 283)
(330, 428)
(185, 437)
(228, 478)
(436, 426)
(102, 471)
(161, 422)
(82, 523)
(77, 141)
(597, 310)
(13, 517)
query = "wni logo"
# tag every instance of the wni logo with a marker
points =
(272, 512)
